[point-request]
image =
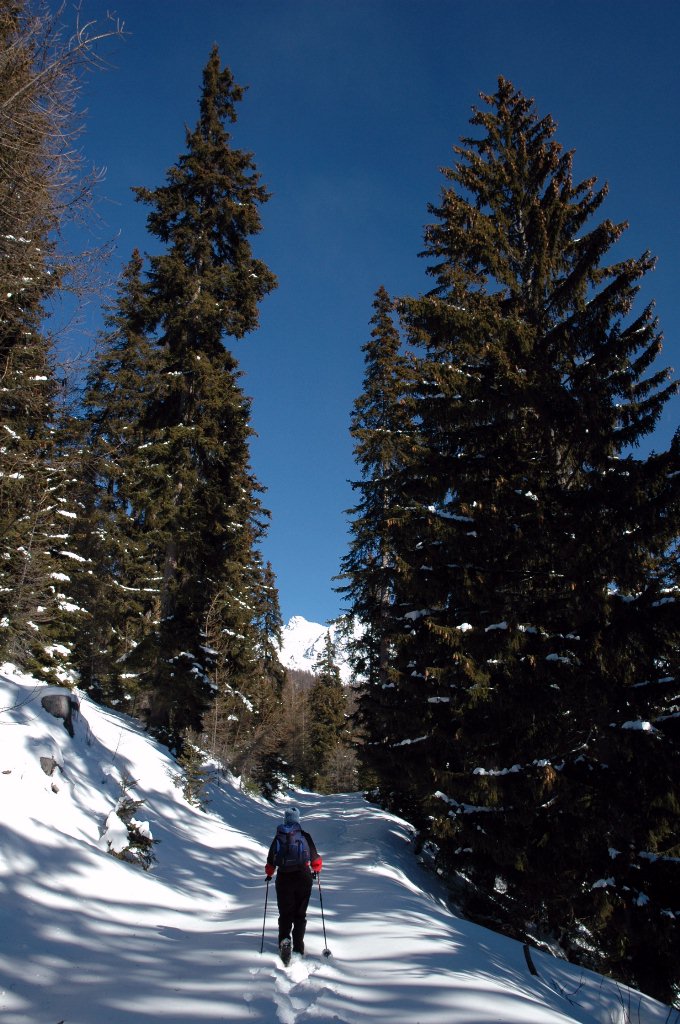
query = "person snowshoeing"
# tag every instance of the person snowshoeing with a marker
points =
(296, 862)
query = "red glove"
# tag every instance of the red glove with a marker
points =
(316, 865)
(269, 870)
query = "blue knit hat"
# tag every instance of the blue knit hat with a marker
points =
(291, 816)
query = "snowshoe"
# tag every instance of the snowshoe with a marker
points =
(285, 951)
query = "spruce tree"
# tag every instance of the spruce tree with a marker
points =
(327, 708)
(246, 725)
(41, 186)
(538, 635)
(385, 443)
(28, 386)
(269, 623)
(202, 501)
(382, 432)
(119, 587)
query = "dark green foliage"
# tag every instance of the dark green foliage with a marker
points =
(140, 842)
(269, 624)
(534, 657)
(383, 434)
(328, 724)
(27, 395)
(244, 728)
(385, 445)
(120, 589)
(208, 283)
(182, 611)
(41, 187)
(195, 775)
(202, 499)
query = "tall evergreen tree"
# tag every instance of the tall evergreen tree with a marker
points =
(249, 678)
(41, 185)
(385, 444)
(538, 634)
(119, 585)
(202, 501)
(28, 385)
(327, 708)
(382, 430)
(269, 624)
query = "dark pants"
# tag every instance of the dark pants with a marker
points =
(293, 890)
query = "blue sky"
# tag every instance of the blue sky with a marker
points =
(352, 109)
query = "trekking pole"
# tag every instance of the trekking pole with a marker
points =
(266, 897)
(326, 950)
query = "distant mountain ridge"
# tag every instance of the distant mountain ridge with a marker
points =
(302, 642)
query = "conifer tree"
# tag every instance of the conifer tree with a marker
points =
(203, 505)
(537, 604)
(41, 185)
(327, 708)
(269, 623)
(382, 431)
(119, 587)
(385, 443)
(246, 727)
(28, 387)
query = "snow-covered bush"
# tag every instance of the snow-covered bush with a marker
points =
(124, 836)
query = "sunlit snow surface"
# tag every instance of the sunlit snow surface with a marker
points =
(302, 643)
(88, 939)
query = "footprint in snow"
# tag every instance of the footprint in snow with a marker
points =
(293, 997)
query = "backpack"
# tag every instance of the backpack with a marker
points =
(291, 852)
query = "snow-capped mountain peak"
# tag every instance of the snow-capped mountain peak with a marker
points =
(302, 642)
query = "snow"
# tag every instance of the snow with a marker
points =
(302, 642)
(86, 937)
(115, 834)
(72, 554)
(639, 726)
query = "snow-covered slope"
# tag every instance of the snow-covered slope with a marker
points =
(302, 642)
(88, 939)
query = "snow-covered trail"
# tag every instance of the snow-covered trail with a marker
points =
(88, 939)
